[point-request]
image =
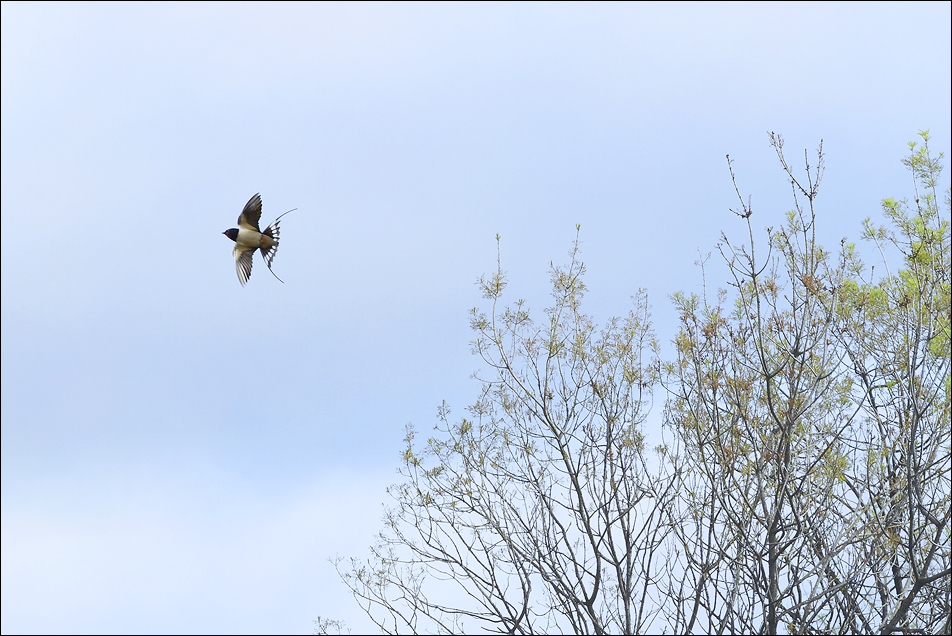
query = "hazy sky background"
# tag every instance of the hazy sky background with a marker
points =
(181, 454)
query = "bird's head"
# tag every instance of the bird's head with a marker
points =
(232, 233)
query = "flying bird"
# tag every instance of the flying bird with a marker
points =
(248, 238)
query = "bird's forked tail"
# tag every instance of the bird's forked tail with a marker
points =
(269, 252)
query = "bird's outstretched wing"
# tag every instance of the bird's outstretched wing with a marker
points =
(243, 262)
(251, 214)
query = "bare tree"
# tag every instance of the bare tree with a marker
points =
(802, 484)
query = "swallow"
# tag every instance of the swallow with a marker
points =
(248, 238)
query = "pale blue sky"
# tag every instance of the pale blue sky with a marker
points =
(181, 454)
